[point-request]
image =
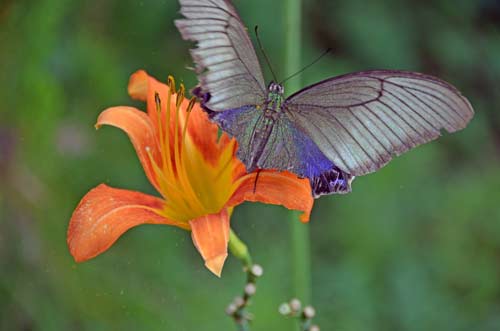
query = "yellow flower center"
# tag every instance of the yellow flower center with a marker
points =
(191, 185)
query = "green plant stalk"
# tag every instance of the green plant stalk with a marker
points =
(300, 243)
(239, 249)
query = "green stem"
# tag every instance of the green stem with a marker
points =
(239, 249)
(301, 263)
(237, 309)
(299, 232)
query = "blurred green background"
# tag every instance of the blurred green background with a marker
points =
(415, 246)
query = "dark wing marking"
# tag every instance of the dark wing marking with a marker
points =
(226, 63)
(361, 120)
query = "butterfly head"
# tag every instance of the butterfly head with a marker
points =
(276, 88)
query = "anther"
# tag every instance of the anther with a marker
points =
(158, 102)
(171, 83)
(180, 95)
(190, 106)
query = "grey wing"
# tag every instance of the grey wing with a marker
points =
(361, 120)
(226, 63)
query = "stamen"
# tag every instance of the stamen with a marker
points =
(180, 95)
(178, 184)
(158, 102)
(171, 83)
(171, 89)
(167, 187)
(179, 159)
(163, 138)
(158, 172)
(191, 104)
(188, 112)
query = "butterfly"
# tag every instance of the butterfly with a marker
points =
(328, 132)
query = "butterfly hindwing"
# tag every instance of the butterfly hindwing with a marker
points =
(286, 148)
(361, 120)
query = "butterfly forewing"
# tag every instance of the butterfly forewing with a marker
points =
(361, 120)
(229, 72)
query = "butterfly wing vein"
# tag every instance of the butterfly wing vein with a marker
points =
(360, 121)
(226, 62)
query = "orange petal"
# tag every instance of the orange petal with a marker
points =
(203, 134)
(210, 235)
(141, 132)
(143, 87)
(278, 188)
(104, 214)
(138, 85)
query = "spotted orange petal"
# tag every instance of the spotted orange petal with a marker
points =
(104, 214)
(139, 128)
(277, 188)
(210, 235)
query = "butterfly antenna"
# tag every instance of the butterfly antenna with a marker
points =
(263, 52)
(307, 66)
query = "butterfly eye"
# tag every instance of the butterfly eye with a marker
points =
(275, 88)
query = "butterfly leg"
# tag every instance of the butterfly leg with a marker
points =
(255, 183)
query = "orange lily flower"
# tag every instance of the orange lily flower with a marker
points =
(196, 173)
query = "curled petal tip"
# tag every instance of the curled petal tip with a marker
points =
(138, 85)
(215, 264)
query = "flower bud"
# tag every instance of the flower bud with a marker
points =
(250, 289)
(309, 312)
(231, 309)
(285, 309)
(295, 305)
(239, 302)
(257, 270)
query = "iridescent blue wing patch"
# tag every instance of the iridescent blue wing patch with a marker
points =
(287, 148)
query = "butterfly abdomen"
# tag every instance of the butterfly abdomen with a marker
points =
(258, 141)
